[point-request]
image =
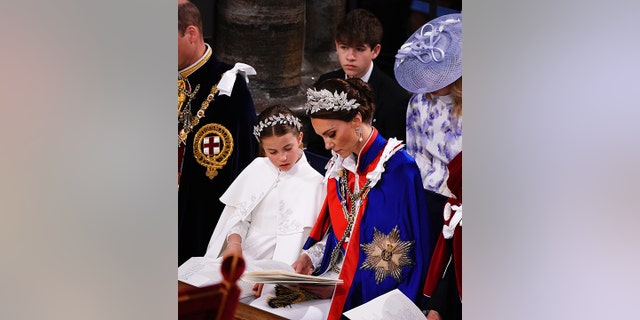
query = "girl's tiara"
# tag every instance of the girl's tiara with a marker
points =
(276, 119)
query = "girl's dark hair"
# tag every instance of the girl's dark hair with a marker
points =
(355, 89)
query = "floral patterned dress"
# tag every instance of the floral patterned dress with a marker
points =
(434, 137)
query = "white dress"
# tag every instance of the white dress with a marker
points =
(273, 211)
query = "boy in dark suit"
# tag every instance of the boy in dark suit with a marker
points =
(357, 40)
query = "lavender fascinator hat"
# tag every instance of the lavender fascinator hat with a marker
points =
(431, 58)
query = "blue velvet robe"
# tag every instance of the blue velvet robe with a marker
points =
(396, 201)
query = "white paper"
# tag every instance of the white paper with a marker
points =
(200, 271)
(391, 305)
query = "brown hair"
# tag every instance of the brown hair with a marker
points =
(355, 89)
(279, 129)
(188, 15)
(359, 27)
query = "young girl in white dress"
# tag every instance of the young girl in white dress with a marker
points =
(274, 202)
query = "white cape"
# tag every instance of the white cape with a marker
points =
(302, 189)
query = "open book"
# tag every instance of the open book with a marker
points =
(277, 272)
(201, 271)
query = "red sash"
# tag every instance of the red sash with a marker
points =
(180, 156)
(352, 254)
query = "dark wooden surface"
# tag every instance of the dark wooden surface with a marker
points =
(245, 311)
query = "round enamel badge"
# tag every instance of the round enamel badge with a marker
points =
(212, 146)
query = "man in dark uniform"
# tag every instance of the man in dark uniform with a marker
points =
(357, 40)
(216, 116)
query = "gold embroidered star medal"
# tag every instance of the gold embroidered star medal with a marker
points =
(212, 146)
(387, 254)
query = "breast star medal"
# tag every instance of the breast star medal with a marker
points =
(387, 254)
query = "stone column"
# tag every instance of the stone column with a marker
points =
(319, 48)
(268, 35)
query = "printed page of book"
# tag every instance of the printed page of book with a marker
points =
(200, 271)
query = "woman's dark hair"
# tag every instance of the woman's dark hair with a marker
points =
(355, 89)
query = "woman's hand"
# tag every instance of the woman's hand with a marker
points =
(257, 288)
(303, 265)
(433, 315)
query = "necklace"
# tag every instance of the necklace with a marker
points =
(184, 96)
(188, 121)
(356, 200)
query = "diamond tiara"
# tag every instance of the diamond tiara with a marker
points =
(276, 119)
(326, 100)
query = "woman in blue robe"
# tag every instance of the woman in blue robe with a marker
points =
(373, 229)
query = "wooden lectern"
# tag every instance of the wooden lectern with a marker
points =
(214, 302)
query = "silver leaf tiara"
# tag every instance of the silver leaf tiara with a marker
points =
(325, 99)
(276, 119)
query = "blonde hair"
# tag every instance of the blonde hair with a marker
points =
(455, 90)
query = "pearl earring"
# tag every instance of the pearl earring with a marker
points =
(359, 131)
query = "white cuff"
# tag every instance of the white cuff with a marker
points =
(448, 229)
(315, 253)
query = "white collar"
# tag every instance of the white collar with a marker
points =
(206, 55)
(337, 162)
(256, 180)
(366, 76)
